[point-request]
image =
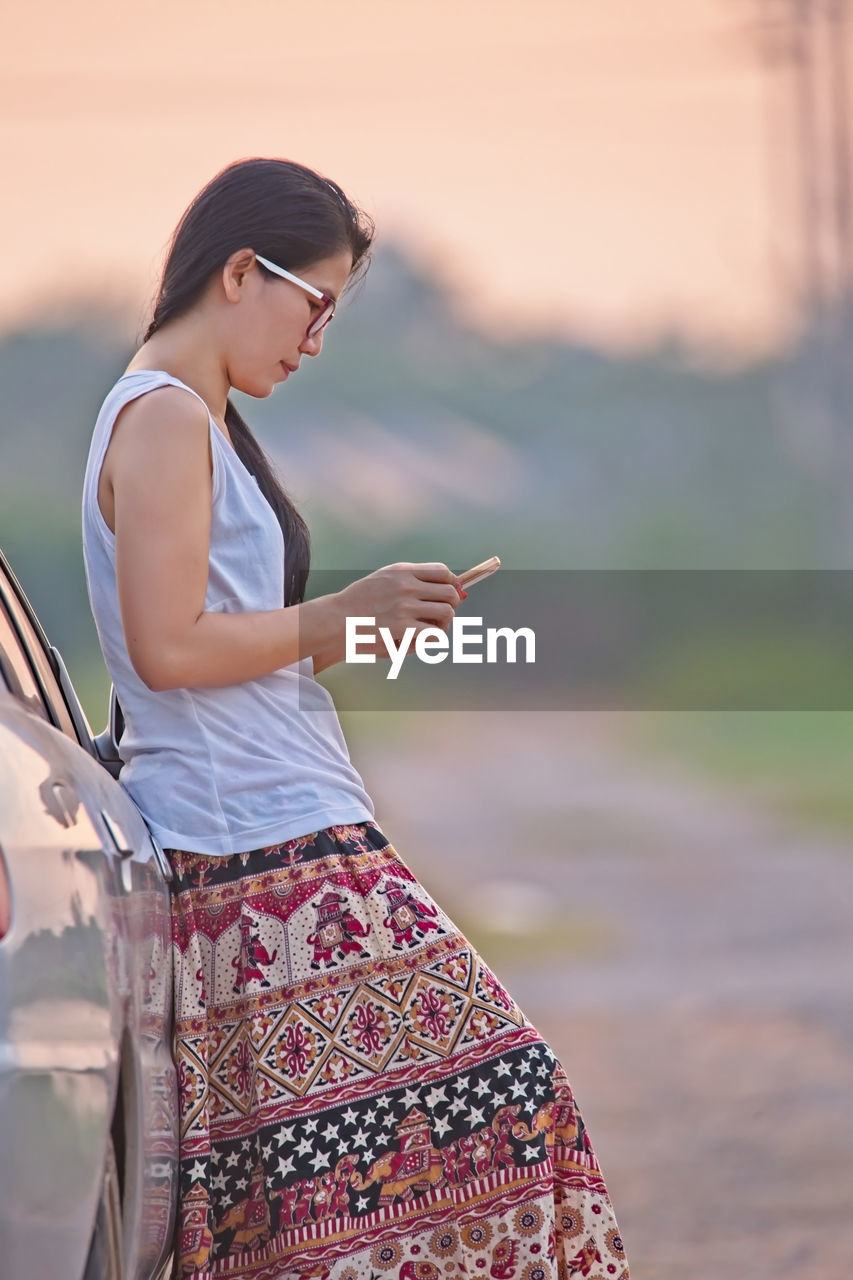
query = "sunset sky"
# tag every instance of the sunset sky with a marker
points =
(602, 166)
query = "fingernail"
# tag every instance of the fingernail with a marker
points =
(464, 594)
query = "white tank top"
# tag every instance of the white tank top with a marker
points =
(220, 770)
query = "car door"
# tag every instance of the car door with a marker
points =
(84, 981)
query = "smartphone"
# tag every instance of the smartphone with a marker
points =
(479, 572)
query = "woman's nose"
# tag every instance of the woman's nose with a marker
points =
(312, 346)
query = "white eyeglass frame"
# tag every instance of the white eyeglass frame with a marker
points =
(322, 318)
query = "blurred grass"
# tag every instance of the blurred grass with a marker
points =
(746, 668)
(560, 938)
(799, 763)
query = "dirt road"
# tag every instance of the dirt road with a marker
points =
(689, 958)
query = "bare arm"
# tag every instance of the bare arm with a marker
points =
(160, 469)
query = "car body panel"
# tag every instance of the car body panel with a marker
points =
(85, 1003)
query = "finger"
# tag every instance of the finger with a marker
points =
(433, 573)
(438, 592)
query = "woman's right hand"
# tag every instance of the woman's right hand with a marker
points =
(400, 596)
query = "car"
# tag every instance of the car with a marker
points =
(88, 1088)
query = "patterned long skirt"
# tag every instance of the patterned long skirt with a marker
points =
(360, 1098)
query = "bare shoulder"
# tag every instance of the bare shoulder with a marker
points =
(160, 439)
(161, 415)
(164, 426)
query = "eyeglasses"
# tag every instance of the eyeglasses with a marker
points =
(327, 309)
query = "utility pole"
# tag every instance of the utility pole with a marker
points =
(808, 42)
(806, 121)
(840, 34)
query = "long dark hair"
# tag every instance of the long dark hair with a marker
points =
(294, 216)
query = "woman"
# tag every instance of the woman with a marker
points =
(359, 1096)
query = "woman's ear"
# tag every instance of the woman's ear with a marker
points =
(235, 271)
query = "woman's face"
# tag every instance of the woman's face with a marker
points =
(268, 329)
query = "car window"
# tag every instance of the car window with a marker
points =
(46, 676)
(47, 684)
(17, 671)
